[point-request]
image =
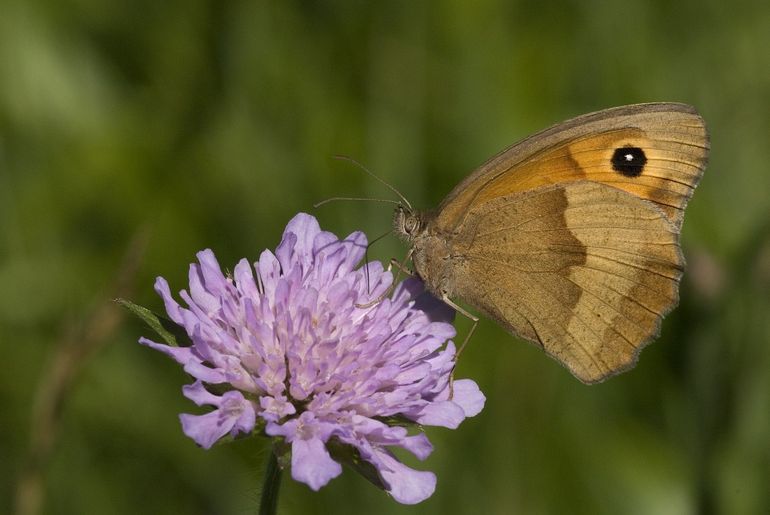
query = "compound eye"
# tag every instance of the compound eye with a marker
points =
(410, 224)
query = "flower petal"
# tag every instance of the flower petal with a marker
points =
(172, 307)
(197, 393)
(206, 429)
(235, 415)
(406, 485)
(182, 355)
(296, 247)
(468, 396)
(441, 413)
(312, 464)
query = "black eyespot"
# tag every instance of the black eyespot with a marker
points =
(629, 161)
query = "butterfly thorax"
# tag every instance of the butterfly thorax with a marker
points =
(429, 247)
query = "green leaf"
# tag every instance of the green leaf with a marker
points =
(161, 325)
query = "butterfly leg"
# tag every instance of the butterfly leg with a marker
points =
(401, 267)
(475, 321)
(366, 256)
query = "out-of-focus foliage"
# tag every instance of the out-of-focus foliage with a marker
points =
(209, 124)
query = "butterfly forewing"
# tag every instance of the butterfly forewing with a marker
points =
(671, 139)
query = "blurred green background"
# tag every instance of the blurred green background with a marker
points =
(162, 128)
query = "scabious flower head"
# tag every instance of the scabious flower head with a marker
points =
(292, 351)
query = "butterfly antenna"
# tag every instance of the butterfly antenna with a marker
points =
(334, 199)
(375, 177)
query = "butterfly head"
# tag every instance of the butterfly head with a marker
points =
(407, 223)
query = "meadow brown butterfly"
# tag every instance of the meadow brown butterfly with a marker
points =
(570, 238)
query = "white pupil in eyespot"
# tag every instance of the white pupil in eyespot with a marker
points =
(629, 157)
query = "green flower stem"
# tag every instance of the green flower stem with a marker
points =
(271, 486)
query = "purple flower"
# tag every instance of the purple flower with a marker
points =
(291, 352)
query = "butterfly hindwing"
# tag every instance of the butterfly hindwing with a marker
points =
(583, 269)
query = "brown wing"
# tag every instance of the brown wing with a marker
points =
(583, 269)
(668, 140)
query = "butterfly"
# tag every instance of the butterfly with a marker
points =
(570, 237)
